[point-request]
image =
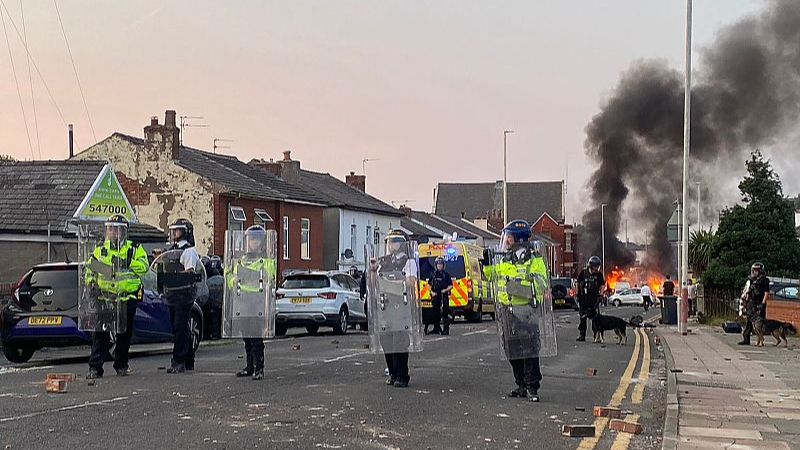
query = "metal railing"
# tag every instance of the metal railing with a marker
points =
(721, 302)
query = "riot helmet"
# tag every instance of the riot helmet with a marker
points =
(181, 230)
(353, 271)
(439, 260)
(757, 269)
(515, 233)
(116, 230)
(594, 264)
(255, 244)
(396, 242)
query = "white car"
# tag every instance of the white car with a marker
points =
(631, 296)
(319, 298)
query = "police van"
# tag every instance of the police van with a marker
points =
(471, 293)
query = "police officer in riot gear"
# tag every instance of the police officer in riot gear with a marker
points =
(180, 300)
(590, 287)
(440, 284)
(118, 265)
(756, 299)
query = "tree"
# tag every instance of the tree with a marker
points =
(762, 229)
(701, 250)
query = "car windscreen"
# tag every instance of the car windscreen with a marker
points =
(54, 290)
(306, 282)
(454, 265)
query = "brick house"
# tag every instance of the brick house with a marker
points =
(165, 181)
(563, 254)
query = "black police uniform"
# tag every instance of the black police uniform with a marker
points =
(180, 303)
(439, 281)
(759, 286)
(589, 285)
(397, 363)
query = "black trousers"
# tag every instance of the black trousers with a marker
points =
(398, 366)
(646, 302)
(254, 350)
(101, 342)
(587, 309)
(441, 308)
(527, 373)
(760, 310)
(182, 350)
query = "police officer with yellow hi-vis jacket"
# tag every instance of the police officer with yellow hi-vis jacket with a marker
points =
(524, 312)
(113, 272)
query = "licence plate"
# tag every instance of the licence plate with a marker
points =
(46, 320)
(301, 300)
(560, 302)
(426, 304)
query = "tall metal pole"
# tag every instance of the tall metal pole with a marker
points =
(686, 144)
(603, 232)
(698, 205)
(505, 177)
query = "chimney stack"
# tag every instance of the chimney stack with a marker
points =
(164, 138)
(71, 143)
(357, 181)
(270, 166)
(405, 210)
(290, 169)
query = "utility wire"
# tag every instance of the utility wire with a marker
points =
(16, 81)
(30, 80)
(74, 69)
(38, 72)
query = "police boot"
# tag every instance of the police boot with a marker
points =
(93, 374)
(533, 395)
(258, 375)
(177, 368)
(446, 331)
(246, 372)
(744, 341)
(581, 338)
(518, 392)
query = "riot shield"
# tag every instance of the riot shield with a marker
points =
(524, 305)
(395, 313)
(176, 284)
(99, 305)
(250, 282)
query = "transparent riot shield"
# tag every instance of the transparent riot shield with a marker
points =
(395, 313)
(175, 283)
(524, 304)
(250, 282)
(99, 294)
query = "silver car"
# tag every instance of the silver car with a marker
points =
(319, 298)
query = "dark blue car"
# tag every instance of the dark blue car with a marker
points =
(44, 308)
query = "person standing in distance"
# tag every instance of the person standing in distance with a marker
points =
(590, 292)
(441, 284)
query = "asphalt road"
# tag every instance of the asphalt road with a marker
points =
(328, 392)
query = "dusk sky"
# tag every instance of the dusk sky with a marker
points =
(426, 86)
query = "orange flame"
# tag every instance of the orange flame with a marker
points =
(655, 283)
(614, 277)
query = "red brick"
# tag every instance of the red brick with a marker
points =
(591, 371)
(625, 427)
(602, 411)
(56, 386)
(68, 377)
(578, 430)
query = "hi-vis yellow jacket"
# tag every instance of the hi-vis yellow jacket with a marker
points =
(533, 271)
(117, 271)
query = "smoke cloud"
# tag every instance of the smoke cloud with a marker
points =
(745, 95)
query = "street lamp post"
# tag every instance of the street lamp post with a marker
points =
(505, 176)
(698, 205)
(683, 310)
(603, 233)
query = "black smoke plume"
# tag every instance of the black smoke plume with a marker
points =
(746, 94)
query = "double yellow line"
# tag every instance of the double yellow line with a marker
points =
(600, 423)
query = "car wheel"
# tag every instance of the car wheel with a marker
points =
(617, 303)
(340, 327)
(18, 354)
(280, 330)
(312, 329)
(196, 326)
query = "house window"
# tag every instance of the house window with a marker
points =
(568, 242)
(285, 237)
(236, 218)
(262, 217)
(305, 238)
(353, 237)
(368, 236)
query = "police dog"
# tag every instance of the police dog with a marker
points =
(601, 324)
(776, 328)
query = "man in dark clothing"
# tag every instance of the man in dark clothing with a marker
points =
(441, 283)
(590, 287)
(757, 294)
(669, 287)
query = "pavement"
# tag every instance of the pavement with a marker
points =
(725, 396)
(328, 391)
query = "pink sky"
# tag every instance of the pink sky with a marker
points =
(426, 86)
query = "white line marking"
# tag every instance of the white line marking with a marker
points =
(437, 339)
(65, 408)
(485, 330)
(8, 370)
(339, 358)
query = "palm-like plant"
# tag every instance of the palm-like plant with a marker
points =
(701, 250)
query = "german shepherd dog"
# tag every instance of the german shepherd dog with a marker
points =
(776, 328)
(601, 324)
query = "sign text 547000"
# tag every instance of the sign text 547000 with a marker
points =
(107, 209)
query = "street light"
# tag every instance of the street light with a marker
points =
(687, 120)
(505, 177)
(698, 204)
(603, 232)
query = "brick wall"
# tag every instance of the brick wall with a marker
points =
(784, 310)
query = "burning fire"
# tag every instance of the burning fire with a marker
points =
(614, 277)
(655, 282)
(637, 276)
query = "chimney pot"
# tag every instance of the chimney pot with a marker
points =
(154, 120)
(169, 119)
(287, 155)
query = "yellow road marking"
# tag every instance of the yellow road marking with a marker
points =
(624, 439)
(644, 373)
(600, 423)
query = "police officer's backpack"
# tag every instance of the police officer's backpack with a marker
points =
(731, 326)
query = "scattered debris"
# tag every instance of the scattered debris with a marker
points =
(580, 431)
(68, 377)
(56, 386)
(366, 345)
(625, 427)
(335, 341)
(580, 408)
(295, 346)
(676, 370)
(504, 416)
(591, 371)
(602, 411)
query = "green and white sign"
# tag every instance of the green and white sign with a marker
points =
(105, 198)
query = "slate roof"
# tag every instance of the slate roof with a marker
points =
(525, 200)
(337, 193)
(238, 177)
(35, 193)
(470, 227)
(437, 223)
(416, 229)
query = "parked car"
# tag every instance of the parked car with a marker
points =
(319, 298)
(631, 296)
(43, 312)
(563, 293)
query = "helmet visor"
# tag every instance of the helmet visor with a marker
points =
(116, 233)
(395, 244)
(177, 233)
(507, 241)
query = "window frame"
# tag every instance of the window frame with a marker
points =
(285, 238)
(258, 212)
(305, 253)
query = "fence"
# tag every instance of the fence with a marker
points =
(721, 302)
